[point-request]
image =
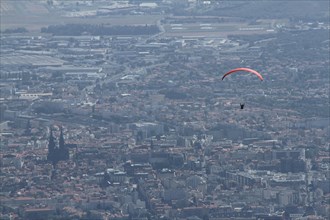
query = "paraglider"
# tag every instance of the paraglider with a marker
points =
(246, 70)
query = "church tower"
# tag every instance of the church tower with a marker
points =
(64, 152)
(51, 148)
(57, 153)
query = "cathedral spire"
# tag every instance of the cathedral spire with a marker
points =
(51, 147)
(64, 152)
(55, 153)
(61, 141)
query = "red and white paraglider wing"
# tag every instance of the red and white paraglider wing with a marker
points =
(244, 69)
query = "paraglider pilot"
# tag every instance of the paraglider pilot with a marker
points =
(243, 69)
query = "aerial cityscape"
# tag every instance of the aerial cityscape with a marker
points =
(122, 109)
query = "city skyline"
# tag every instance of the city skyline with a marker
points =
(118, 110)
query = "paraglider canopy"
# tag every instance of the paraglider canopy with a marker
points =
(244, 69)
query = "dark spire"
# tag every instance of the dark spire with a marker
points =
(61, 141)
(61, 152)
(51, 147)
(64, 152)
(28, 128)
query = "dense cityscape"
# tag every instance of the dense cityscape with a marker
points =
(119, 110)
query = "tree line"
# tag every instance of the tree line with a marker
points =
(15, 30)
(82, 29)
